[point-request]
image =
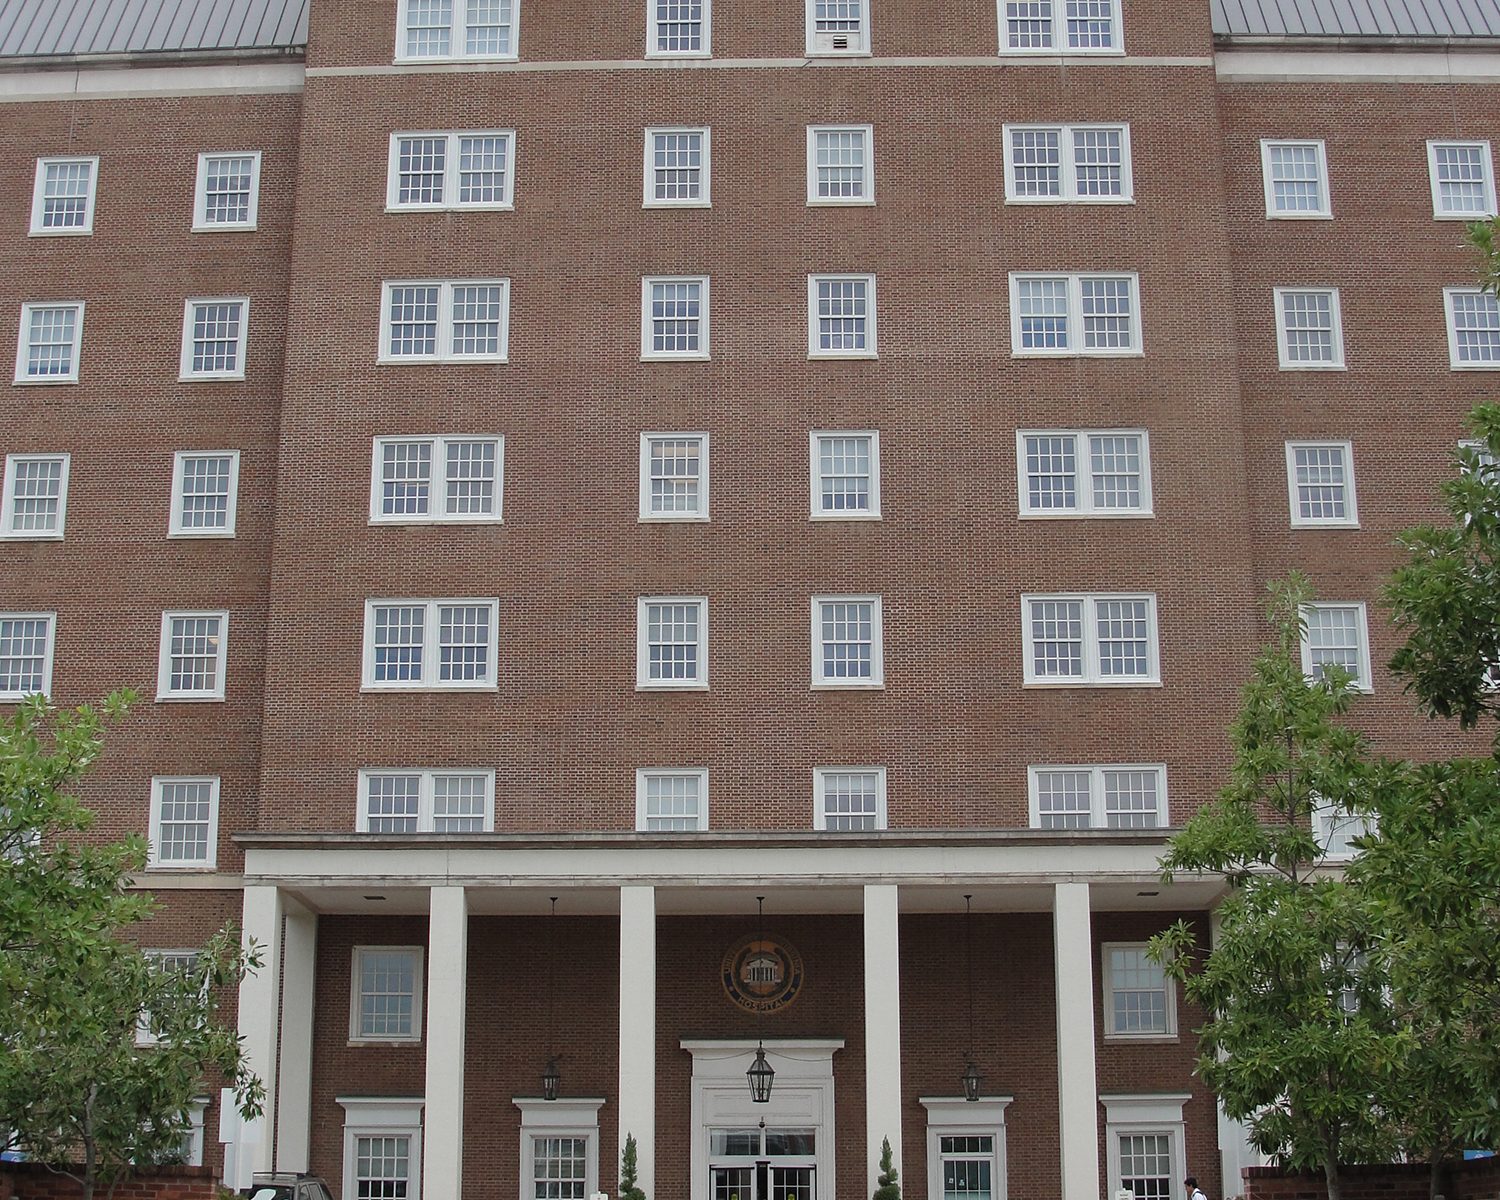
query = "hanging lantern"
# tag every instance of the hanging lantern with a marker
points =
(550, 1079)
(760, 1075)
(972, 1081)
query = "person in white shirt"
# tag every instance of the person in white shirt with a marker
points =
(1194, 1192)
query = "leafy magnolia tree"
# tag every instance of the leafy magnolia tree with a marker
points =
(1299, 1042)
(104, 1051)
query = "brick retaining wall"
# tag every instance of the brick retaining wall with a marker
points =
(1478, 1179)
(29, 1181)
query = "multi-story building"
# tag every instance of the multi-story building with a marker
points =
(559, 473)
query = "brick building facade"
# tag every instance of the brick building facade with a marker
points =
(827, 452)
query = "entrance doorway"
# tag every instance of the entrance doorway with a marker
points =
(762, 1164)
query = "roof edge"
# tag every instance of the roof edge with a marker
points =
(151, 58)
(1310, 41)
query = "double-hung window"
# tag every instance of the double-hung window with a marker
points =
(841, 316)
(1060, 27)
(426, 321)
(1336, 829)
(227, 195)
(1083, 472)
(1098, 640)
(671, 642)
(50, 343)
(184, 822)
(1144, 1137)
(34, 500)
(1295, 175)
(426, 801)
(62, 199)
(1067, 315)
(1124, 796)
(460, 169)
(838, 27)
(148, 1031)
(26, 641)
(559, 1149)
(194, 647)
(674, 318)
(213, 337)
(844, 466)
(677, 28)
(677, 168)
(848, 645)
(671, 800)
(1473, 329)
(966, 1147)
(431, 645)
(1139, 999)
(456, 478)
(1067, 164)
(455, 29)
(840, 164)
(1463, 180)
(1336, 635)
(1320, 484)
(849, 799)
(205, 489)
(1309, 329)
(386, 995)
(383, 1135)
(674, 477)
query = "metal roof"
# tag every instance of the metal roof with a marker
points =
(1357, 18)
(69, 28)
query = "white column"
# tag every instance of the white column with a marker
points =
(638, 1031)
(882, 1028)
(294, 1093)
(1077, 1082)
(447, 999)
(259, 1005)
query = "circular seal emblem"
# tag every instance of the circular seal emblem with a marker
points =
(762, 974)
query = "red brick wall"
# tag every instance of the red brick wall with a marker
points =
(1475, 1180)
(28, 1181)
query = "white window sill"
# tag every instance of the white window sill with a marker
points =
(658, 519)
(31, 537)
(848, 685)
(28, 381)
(1090, 683)
(1134, 514)
(1087, 201)
(840, 202)
(427, 360)
(206, 535)
(815, 55)
(400, 522)
(1438, 216)
(225, 228)
(1078, 354)
(842, 356)
(1311, 367)
(235, 378)
(60, 232)
(670, 687)
(675, 358)
(1061, 54)
(157, 868)
(437, 208)
(189, 698)
(398, 689)
(653, 55)
(392, 1041)
(1494, 366)
(422, 60)
(1145, 1038)
(844, 516)
(1296, 524)
(1297, 216)
(654, 204)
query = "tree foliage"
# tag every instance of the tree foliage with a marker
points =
(630, 1188)
(886, 1186)
(104, 1050)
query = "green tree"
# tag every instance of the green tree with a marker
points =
(886, 1186)
(78, 1089)
(629, 1186)
(1299, 1041)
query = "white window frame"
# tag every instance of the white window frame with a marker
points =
(1111, 1034)
(47, 653)
(1091, 676)
(861, 49)
(815, 476)
(871, 349)
(146, 1036)
(654, 518)
(644, 775)
(1439, 213)
(451, 172)
(186, 374)
(356, 972)
(39, 186)
(1076, 349)
(1098, 816)
(643, 680)
(192, 1135)
(820, 782)
(705, 52)
(430, 647)
(23, 343)
(211, 859)
(1059, 20)
(1335, 311)
(648, 177)
(164, 658)
(201, 223)
(437, 495)
(1365, 682)
(648, 354)
(1351, 504)
(457, 37)
(1085, 490)
(1325, 820)
(382, 1116)
(444, 352)
(867, 132)
(426, 793)
(1144, 1113)
(821, 682)
(1450, 319)
(175, 527)
(570, 1118)
(1325, 211)
(1068, 191)
(8, 499)
(954, 1116)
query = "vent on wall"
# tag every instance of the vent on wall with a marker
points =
(836, 41)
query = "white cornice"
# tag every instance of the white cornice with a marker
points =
(1324, 65)
(135, 83)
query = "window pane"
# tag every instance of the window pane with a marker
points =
(1462, 179)
(840, 163)
(850, 800)
(463, 643)
(1099, 161)
(1115, 461)
(1057, 639)
(837, 16)
(1296, 178)
(558, 1168)
(1090, 24)
(1106, 314)
(1130, 799)
(382, 1168)
(481, 169)
(848, 636)
(49, 342)
(216, 337)
(844, 474)
(1307, 324)
(676, 475)
(471, 477)
(1051, 473)
(1321, 483)
(673, 802)
(1028, 24)
(1138, 992)
(406, 479)
(387, 993)
(966, 1178)
(1063, 799)
(429, 28)
(65, 192)
(1334, 637)
(679, 25)
(1036, 161)
(35, 495)
(226, 189)
(1123, 637)
(413, 318)
(193, 652)
(1476, 327)
(398, 640)
(392, 802)
(205, 491)
(842, 314)
(421, 164)
(477, 310)
(184, 825)
(672, 641)
(676, 316)
(458, 803)
(23, 653)
(488, 28)
(1043, 307)
(1146, 1165)
(677, 164)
